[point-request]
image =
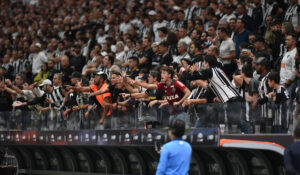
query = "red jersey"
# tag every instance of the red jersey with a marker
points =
(173, 93)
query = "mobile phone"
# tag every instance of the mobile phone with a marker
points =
(157, 145)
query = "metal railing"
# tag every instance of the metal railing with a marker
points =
(234, 117)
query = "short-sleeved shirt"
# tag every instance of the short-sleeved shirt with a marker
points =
(173, 93)
(115, 92)
(226, 47)
(281, 95)
(252, 87)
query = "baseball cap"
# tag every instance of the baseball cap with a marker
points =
(152, 12)
(102, 74)
(38, 45)
(262, 61)
(75, 75)
(46, 82)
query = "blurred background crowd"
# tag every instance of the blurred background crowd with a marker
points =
(54, 54)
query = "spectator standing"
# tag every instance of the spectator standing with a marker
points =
(287, 71)
(279, 96)
(292, 13)
(227, 52)
(221, 86)
(229, 13)
(77, 61)
(39, 59)
(166, 59)
(262, 68)
(183, 54)
(241, 36)
(257, 14)
(66, 69)
(242, 14)
(145, 61)
(174, 90)
(159, 23)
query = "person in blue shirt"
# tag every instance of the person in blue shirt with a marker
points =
(175, 156)
(241, 36)
(292, 155)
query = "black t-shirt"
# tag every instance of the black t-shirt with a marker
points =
(78, 62)
(149, 55)
(5, 101)
(155, 94)
(166, 59)
(115, 93)
(133, 73)
(197, 58)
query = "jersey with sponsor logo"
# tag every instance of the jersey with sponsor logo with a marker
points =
(174, 92)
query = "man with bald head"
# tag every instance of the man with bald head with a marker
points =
(66, 69)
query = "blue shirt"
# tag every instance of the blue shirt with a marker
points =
(240, 38)
(175, 158)
(292, 158)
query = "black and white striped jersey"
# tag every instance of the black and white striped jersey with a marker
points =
(56, 97)
(18, 66)
(219, 84)
(280, 108)
(263, 91)
(198, 93)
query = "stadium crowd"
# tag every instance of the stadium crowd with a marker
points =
(87, 64)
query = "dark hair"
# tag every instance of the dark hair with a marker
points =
(237, 72)
(164, 44)
(177, 127)
(155, 74)
(222, 29)
(212, 26)
(168, 69)
(242, 5)
(243, 21)
(172, 38)
(134, 58)
(293, 36)
(247, 70)
(297, 132)
(198, 32)
(245, 59)
(211, 60)
(275, 77)
(148, 38)
(111, 59)
(232, 19)
(197, 45)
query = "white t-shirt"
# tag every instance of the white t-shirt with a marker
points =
(38, 61)
(156, 26)
(120, 55)
(186, 39)
(288, 71)
(226, 47)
